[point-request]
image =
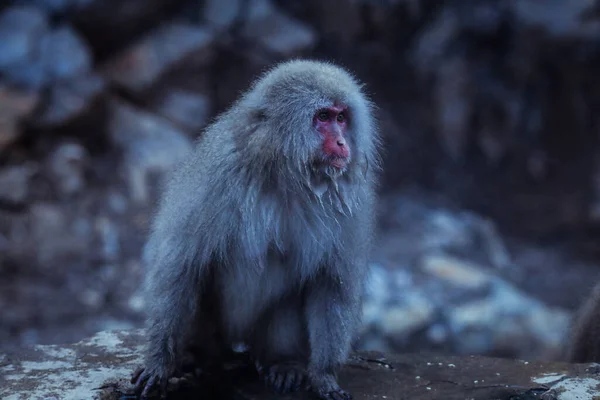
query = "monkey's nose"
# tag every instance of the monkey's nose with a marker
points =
(341, 142)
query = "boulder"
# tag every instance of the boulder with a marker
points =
(140, 65)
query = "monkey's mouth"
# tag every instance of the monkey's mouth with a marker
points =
(331, 166)
(339, 163)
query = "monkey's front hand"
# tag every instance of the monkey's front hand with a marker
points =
(284, 377)
(327, 388)
(145, 379)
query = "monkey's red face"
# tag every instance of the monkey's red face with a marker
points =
(332, 124)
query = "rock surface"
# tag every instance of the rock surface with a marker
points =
(99, 368)
(441, 280)
(152, 56)
(149, 142)
(14, 106)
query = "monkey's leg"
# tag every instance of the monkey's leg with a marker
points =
(280, 347)
(206, 348)
(171, 318)
(332, 309)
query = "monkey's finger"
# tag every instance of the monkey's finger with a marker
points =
(136, 375)
(279, 377)
(290, 382)
(340, 395)
(272, 378)
(301, 381)
(141, 382)
(259, 367)
(148, 387)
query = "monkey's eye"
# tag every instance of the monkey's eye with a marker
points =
(323, 116)
(341, 117)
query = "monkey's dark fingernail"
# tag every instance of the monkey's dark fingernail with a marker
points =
(298, 383)
(139, 385)
(279, 382)
(136, 375)
(290, 381)
(341, 395)
(295, 382)
(270, 379)
(148, 387)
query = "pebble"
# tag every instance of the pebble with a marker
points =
(64, 54)
(20, 29)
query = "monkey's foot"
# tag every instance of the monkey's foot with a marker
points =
(335, 395)
(145, 381)
(284, 377)
(327, 388)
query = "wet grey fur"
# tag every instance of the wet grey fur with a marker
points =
(253, 230)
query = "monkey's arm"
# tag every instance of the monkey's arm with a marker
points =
(178, 256)
(172, 293)
(333, 309)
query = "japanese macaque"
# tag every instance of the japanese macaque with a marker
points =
(584, 343)
(263, 233)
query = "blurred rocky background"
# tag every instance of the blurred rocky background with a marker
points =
(490, 200)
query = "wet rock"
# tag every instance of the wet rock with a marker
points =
(455, 304)
(456, 272)
(56, 7)
(482, 16)
(259, 9)
(139, 66)
(378, 285)
(112, 24)
(64, 54)
(61, 54)
(415, 312)
(14, 184)
(377, 293)
(345, 24)
(29, 75)
(504, 318)
(14, 107)
(20, 30)
(102, 365)
(185, 108)
(558, 18)
(467, 235)
(91, 298)
(67, 164)
(279, 33)
(68, 100)
(453, 106)
(428, 228)
(150, 143)
(109, 238)
(117, 202)
(431, 45)
(220, 14)
(54, 235)
(137, 303)
(439, 280)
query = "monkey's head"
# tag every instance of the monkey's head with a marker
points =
(312, 116)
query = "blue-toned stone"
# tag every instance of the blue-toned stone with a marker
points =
(20, 30)
(64, 54)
